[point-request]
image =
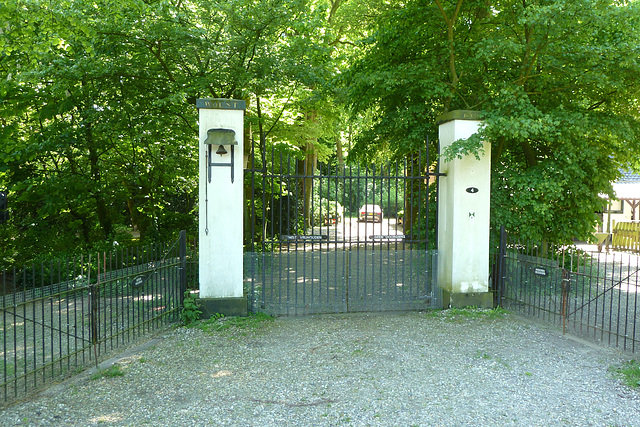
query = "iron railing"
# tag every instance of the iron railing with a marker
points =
(590, 294)
(61, 316)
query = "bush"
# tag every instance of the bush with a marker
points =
(190, 312)
(326, 211)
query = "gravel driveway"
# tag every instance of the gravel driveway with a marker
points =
(440, 368)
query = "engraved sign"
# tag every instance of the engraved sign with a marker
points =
(309, 237)
(459, 115)
(540, 271)
(221, 104)
(387, 237)
(138, 281)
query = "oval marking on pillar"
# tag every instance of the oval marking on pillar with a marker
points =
(472, 190)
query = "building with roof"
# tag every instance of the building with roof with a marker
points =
(626, 206)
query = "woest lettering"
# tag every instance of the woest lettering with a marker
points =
(221, 104)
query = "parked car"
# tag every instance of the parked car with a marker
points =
(370, 212)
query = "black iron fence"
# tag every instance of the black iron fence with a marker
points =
(60, 316)
(590, 294)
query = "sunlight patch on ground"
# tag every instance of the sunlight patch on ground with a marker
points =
(111, 418)
(628, 288)
(220, 374)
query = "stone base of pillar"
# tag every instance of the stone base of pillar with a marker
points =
(225, 306)
(464, 300)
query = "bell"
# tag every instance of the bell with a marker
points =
(221, 150)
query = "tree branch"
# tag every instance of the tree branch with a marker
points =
(450, 21)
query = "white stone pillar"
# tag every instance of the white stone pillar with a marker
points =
(221, 207)
(463, 217)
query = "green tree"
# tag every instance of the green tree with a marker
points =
(557, 82)
(98, 118)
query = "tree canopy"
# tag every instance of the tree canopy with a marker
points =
(556, 81)
(98, 125)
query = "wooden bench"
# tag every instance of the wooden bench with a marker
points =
(626, 236)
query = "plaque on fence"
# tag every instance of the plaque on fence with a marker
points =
(138, 281)
(311, 237)
(388, 237)
(541, 271)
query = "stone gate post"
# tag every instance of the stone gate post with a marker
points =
(220, 147)
(463, 217)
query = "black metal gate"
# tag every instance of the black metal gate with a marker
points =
(332, 238)
(591, 294)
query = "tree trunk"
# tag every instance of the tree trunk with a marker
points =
(248, 211)
(306, 169)
(102, 210)
(309, 165)
(339, 153)
(413, 193)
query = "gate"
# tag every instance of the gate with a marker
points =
(332, 239)
(590, 294)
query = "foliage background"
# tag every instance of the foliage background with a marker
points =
(98, 124)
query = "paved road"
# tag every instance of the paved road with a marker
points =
(352, 230)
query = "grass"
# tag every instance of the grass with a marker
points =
(497, 359)
(11, 369)
(629, 373)
(112, 371)
(468, 313)
(220, 323)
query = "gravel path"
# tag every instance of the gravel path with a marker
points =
(383, 369)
